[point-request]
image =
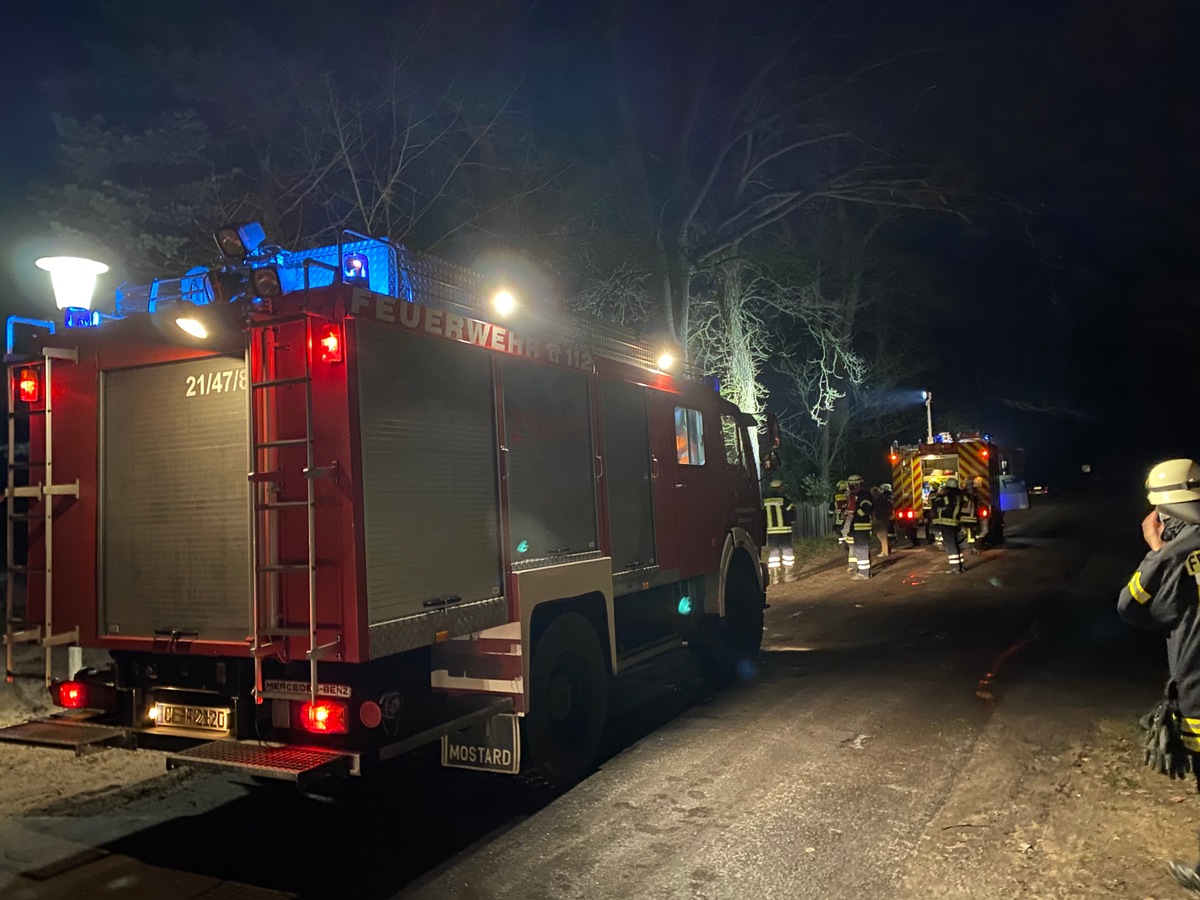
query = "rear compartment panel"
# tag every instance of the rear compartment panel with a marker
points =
(174, 499)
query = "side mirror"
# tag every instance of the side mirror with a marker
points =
(773, 439)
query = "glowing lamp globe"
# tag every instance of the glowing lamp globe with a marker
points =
(73, 279)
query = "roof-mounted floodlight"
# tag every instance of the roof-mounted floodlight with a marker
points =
(73, 279)
(239, 239)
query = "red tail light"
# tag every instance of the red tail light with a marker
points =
(324, 717)
(983, 513)
(72, 695)
(329, 341)
(29, 386)
(909, 514)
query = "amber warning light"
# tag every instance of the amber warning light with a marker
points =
(329, 340)
(29, 386)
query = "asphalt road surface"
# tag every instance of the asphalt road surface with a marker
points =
(890, 724)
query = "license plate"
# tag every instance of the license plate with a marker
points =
(196, 718)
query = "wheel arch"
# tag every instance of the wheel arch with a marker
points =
(740, 549)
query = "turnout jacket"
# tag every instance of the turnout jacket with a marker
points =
(863, 512)
(1164, 592)
(947, 507)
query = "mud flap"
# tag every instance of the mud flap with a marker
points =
(491, 746)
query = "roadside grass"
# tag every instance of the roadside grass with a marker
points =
(815, 553)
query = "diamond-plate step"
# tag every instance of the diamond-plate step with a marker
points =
(299, 764)
(64, 733)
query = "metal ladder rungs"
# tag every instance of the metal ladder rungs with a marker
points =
(31, 491)
(266, 477)
(277, 382)
(280, 504)
(283, 567)
(61, 490)
(278, 320)
(27, 635)
(25, 465)
(25, 413)
(27, 570)
(285, 632)
(26, 517)
(281, 442)
(63, 637)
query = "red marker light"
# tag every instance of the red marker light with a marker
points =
(893, 457)
(983, 513)
(29, 386)
(324, 717)
(985, 454)
(72, 695)
(329, 339)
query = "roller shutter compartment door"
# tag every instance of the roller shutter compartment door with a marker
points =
(174, 501)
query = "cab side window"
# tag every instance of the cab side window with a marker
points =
(689, 436)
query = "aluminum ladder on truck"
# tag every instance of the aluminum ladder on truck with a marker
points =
(270, 636)
(21, 630)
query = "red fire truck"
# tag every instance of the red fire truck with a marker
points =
(319, 519)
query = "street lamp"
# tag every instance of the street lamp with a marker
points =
(73, 279)
(927, 396)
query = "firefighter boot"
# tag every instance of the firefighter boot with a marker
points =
(774, 575)
(789, 574)
(1187, 876)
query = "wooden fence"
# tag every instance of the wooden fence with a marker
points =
(813, 521)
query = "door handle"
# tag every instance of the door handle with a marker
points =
(599, 466)
(653, 467)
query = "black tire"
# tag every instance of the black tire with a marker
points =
(568, 701)
(728, 647)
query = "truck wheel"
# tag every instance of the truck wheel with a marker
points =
(568, 700)
(728, 647)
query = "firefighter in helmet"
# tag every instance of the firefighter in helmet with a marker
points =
(862, 526)
(1162, 595)
(947, 517)
(974, 517)
(837, 509)
(781, 515)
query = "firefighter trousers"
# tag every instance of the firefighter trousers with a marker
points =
(781, 557)
(860, 552)
(954, 556)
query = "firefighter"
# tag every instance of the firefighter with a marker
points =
(1162, 595)
(969, 517)
(837, 509)
(881, 498)
(947, 516)
(861, 526)
(781, 515)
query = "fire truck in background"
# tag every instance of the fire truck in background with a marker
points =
(919, 469)
(322, 508)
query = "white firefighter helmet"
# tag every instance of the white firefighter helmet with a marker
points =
(886, 488)
(951, 482)
(1174, 481)
(854, 479)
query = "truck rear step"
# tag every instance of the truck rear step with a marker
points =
(61, 731)
(302, 765)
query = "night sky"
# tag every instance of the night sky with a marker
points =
(1073, 290)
